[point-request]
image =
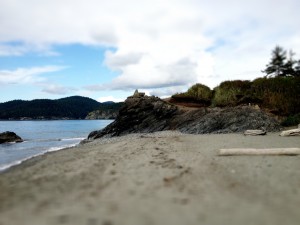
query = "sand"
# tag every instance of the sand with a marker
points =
(164, 178)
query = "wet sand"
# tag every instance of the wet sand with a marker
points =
(167, 179)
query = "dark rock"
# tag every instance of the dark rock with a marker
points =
(226, 120)
(9, 137)
(150, 114)
(139, 115)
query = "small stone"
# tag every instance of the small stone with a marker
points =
(113, 172)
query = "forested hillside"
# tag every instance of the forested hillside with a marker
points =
(75, 107)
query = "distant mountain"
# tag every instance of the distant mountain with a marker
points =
(108, 102)
(75, 107)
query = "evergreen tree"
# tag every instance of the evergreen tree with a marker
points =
(277, 65)
(288, 69)
(297, 69)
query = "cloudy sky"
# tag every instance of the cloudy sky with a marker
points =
(105, 49)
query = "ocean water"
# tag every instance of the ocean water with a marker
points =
(43, 136)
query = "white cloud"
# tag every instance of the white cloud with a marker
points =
(167, 92)
(19, 49)
(159, 44)
(110, 98)
(26, 75)
(57, 89)
(9, 50)
(118, 61)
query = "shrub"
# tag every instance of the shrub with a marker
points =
(198, 93)
(231, 93)
(281, 94)
(291, 120)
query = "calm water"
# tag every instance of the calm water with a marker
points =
(43, 136)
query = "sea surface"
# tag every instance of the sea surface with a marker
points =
(43, 136)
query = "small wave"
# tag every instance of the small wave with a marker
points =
(57, 139)
(17, 162)
(54, 149)
(72, 139)
(46, 140)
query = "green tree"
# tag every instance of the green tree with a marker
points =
(297, 69)
(288, 69)
(277, 65)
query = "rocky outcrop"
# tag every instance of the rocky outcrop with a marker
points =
(139, 114)
(225, 120)
(102, 115)
(149, 114)
(8, 136)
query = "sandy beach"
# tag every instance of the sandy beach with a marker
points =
(163, 178)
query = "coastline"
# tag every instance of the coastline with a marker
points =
(15, 163)
(159, 178)
(42, 136)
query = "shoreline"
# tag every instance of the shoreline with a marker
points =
(109, 140)
(159, 178)
(7, 166)
(31, 119)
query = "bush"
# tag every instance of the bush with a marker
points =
(232, 93)
(281, 94)
(198, 93)
(291, 120)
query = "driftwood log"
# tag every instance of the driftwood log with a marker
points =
(293, 132)
(255, 132)
(255, 151)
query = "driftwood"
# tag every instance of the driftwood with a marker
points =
(255, 151)
(293, 132)
(255, 132)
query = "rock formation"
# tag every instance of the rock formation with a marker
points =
(139, 114)
(8, 136)
(102, 115)
(144, 114)
(137, 94)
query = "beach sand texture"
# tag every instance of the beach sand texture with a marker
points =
(164, 178)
